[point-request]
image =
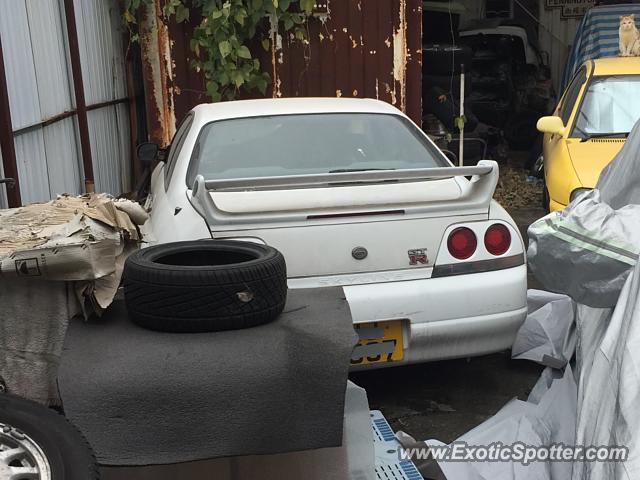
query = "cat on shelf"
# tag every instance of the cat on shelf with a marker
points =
(629, 36)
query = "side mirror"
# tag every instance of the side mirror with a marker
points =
(552, 125)
(147, 153)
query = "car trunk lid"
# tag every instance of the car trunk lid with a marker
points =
(351, 224)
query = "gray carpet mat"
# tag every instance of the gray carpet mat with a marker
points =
(144, 398)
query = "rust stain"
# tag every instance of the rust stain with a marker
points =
(157, 75)
(276, 56)
(400, 55)
(343, 56)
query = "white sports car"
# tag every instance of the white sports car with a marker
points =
(354, 195)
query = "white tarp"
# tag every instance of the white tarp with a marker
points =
(547, 336)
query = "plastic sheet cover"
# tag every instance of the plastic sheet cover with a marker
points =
(588, 251)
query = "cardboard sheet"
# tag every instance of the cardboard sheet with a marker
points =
(57, 259)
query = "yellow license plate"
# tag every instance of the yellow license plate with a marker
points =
(380, 342)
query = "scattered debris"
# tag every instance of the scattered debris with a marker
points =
(516, 190)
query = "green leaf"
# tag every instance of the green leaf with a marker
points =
(212, 87)
(459, 122)
(182, 13)
(243, 52)
(223, 77)
(266, 44)
(225, 48)
(288, 23)
(169, 9)
(216, 14)
(256, 4)
(300, 34)
(261, 84)
(128, 17)
(238, 78)
(240, 16)
(284, 5)
(307, 6)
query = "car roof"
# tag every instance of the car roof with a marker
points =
(291, 106)
(616, 66)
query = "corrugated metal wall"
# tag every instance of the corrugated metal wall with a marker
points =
(365, 48)
(103, 70)
(362, 48)
(556, 37)
(37, 89)
(41, 96)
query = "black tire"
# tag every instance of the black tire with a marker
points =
(445, 59)
(65, 450)
(205, 286)
(546, 200)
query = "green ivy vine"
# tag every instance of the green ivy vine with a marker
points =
(221, 40)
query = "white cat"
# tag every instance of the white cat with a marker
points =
(629, 36)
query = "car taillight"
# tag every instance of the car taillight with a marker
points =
(497, 239)
(462, 243)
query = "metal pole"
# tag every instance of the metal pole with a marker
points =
(78, 87)
(6, 140)
(461, 151)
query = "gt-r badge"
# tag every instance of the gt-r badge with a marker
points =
(418, 256)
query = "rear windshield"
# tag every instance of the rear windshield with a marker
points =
(286, 145)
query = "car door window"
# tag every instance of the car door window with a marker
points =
(174, 149)
(569, 101)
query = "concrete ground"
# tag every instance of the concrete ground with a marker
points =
(443, 400)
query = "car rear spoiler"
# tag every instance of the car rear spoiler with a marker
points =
(476, 194)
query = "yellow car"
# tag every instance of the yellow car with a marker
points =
(589, 126)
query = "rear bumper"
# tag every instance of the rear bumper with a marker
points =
(448, 317)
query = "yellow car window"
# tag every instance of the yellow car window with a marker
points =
(611, 106)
